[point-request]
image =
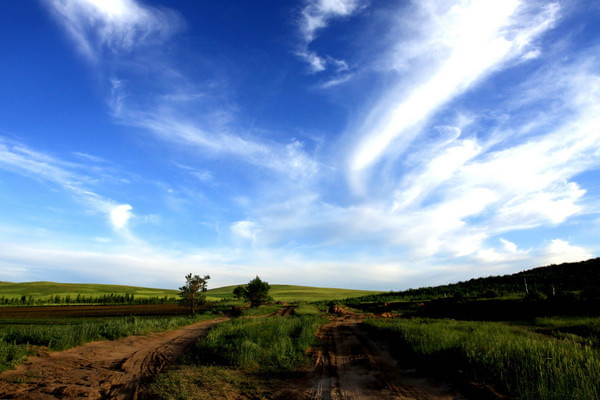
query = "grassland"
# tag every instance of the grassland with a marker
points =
(45, 290)
(250, 356)
(291, 293)
(516, 360)
(39, 290)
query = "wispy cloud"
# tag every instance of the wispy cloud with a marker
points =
(464, 43)
(114, 25)
(69, 176)
(316, 16)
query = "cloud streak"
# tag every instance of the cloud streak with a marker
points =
(470, 40)
(114, 25)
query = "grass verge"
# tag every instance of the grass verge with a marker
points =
(515, 360)
(242, 358)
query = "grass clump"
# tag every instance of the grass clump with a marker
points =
(270, 345)
(260, 310)
(515, 360)
(208, 382)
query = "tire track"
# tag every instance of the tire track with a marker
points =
(100, 370)
(350, 366)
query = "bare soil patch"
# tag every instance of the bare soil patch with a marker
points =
(100, 370)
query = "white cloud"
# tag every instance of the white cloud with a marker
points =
(464, 43)
(113, 24)
(245, 229)
(120, 215)
(509, 246)
(316, 16)
(69, 176)
(560, 251)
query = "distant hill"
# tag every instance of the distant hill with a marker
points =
(551, 280)
(294, 293)
(43, 290)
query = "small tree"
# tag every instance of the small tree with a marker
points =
(193, 292)
(257, 292)
(238, 292)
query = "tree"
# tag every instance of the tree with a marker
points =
(257, 292)
(193, 292)
(238, 292)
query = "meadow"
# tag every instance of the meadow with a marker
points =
(516, 360)
(47, 293)
(292, 293)
(247, 355)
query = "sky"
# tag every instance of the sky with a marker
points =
(338, 143)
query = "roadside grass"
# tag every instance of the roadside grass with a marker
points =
(585, 330)
(203, 382)
(515, 360)
(247, 357)
(19, 341)
(268, 345)
(306, 309)
(260, 310)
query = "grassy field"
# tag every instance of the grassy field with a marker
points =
(45, 289)
(249, 356)
(516, 360)
(290, 293)
(286, 293)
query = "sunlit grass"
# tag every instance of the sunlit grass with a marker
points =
(517, 361)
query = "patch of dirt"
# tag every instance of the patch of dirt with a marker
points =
(350, 366)
(100, 370)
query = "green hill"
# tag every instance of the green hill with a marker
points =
(43, 290)
(39, 290)
(289, 293)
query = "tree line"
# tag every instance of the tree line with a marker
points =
(112, 298)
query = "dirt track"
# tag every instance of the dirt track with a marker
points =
(350, 366)
(100, 370)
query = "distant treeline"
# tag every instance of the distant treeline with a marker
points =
(573, 280)
(112, 298)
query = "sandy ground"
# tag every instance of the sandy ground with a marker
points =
(100, 370)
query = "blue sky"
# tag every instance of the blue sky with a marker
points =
(344, 143)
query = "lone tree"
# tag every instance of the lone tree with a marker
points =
(257, 292)
(193, 292)
(238, 292)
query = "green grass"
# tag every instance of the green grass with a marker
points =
(290, 293)
(517, 361)
(271, 344)
(39, 290)
(242, 358)
(286, 293)
(260, 310)
(18, 341)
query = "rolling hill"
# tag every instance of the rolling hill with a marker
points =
(42, 290)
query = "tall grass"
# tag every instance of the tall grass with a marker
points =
(271, 344)
(516, 361)
(18, 341)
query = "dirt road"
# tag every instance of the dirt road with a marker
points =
(350, 366)
(100, 370)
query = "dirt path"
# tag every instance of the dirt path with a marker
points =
(100, 370)
(350, 366)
